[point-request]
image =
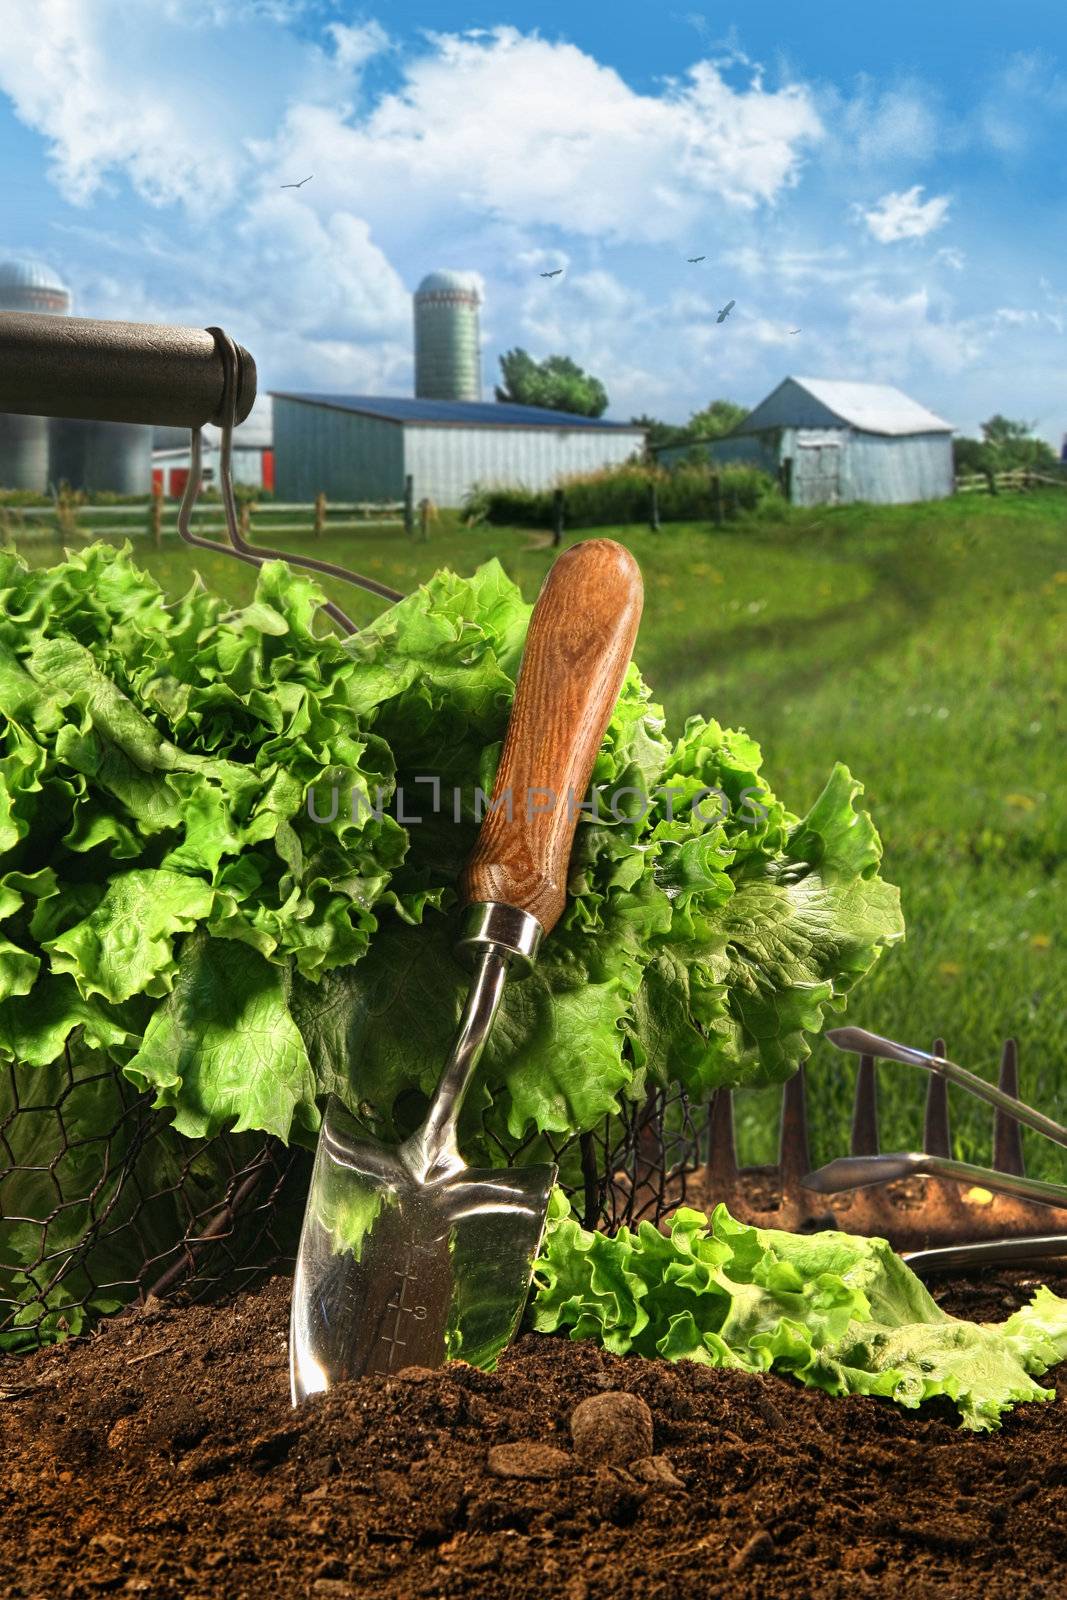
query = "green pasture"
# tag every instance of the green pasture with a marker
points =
(923, 646)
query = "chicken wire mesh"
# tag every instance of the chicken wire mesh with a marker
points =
(93, 1222)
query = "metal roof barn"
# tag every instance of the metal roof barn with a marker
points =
(836, 442)
(361, 447)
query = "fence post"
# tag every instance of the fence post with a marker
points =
(653, 510)
(424, 520)
(991, 479)
(557, 517)
(155, 516)
(409, 505)
(320, 514)
(785, 473)
(244, 518)
(716, 499)
(66, 511)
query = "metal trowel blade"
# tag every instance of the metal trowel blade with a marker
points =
(395, 1272)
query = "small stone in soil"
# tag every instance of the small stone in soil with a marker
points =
(769, 1412)
(526, 1460)
(415, 1374)
(612, 1427)
(759, 1548)
(657, 1471)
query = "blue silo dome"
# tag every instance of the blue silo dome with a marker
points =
(449, 282)
(22, 273)
(28, 285)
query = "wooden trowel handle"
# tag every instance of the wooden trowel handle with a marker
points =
(577, 651)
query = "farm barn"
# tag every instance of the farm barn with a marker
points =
(834, 442)
(252, 458)
(361, 447)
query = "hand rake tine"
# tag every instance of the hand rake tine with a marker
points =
(1007, 1133)
(936, 1138)
(722, 1148)
(864, 1140)
(794, 1156)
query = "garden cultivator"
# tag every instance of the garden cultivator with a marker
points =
(936, 1211)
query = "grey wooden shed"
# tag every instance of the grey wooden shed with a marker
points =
(832, 442)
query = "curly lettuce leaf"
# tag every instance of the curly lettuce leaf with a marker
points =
(203, 778)
(841, 1313)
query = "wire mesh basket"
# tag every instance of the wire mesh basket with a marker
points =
(139, 1211)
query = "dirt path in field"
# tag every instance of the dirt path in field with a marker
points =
(161, 1458)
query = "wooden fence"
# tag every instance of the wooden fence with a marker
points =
(66, 518)
(1021, 480)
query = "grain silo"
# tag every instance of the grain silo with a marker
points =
(27, 286)
(448, 353)
(116, 456)
(40, 453)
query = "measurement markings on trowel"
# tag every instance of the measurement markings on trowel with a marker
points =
(403, 1309)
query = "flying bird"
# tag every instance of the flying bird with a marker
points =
(696, 258)
(725, 312)
(796, 330)
(299, 185)
(552, 274)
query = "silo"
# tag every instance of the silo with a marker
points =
(448, 355)
(27, 286)
(101, 455)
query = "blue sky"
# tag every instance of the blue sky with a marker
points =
(891, 184)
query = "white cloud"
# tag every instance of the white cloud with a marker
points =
(879, 126)
(166, 104)
(905, 216)
(889, 337)
(1009, 114)
(796, 267)
(317, 274)
(949, 257)
(185, 117)
(573, 148)
(355, 45)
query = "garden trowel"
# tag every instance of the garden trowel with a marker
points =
(407, 1256)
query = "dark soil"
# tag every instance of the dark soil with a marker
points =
(162, 1458)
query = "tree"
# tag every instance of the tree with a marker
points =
(717, 418)
(1013, 444)
(658, 434)
(969, 455)
(556, 383)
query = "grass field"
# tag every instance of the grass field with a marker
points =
(923, 646)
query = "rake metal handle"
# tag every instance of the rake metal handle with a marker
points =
(987, 1253)
(864, 1043)
(857, 1172)
(54, 366)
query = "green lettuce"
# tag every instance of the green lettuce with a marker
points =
(229, 848)
(202, 870)
(841, 1313)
